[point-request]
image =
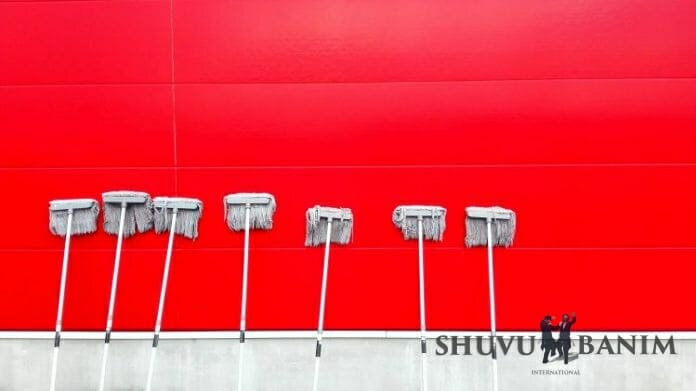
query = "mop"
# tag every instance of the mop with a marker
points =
(125, 212)
(178, 216)
(493, 226)
(67, 218)
(246, 211)
(422, 222)
(326, 225)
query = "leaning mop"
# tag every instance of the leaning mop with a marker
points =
(246, 211)
(67, 218)
(493, 226)
(125, 213)
(178, 216)
(422, 222)
(326, 225)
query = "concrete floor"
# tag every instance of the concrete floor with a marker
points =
(347, 365)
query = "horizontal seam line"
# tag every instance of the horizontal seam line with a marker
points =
(367, 166)
(329, 82)
(348, 248)
(331, 333)
(70, 1)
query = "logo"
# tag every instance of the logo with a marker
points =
(563, 344)
(556, 344)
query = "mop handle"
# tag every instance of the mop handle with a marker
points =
(63, 279)
(491, 294)
(160, 305)
(491, 286)
(61, 300)
(322, 304)
(245, 276)
(421, 295)
(112, 296)
(421, 283)
(165, 278)
(114, 278)
(242, 316)
(324, 275)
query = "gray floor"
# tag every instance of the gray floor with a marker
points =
(347, 365)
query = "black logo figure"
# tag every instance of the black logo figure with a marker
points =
(548, 344)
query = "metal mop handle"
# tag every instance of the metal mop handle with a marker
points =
(421, 293)
(242, 317)
(61, 298)
(112, 297)
(322, 303)
(160, 306)
(491, 294)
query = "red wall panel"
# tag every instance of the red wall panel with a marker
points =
(617, 289)
(396, 40)
(579, 116)
(29, 285)
(86, 126)
(556, 206)
(31, 282)
(503, 122)
(30, 190)
(629, 289)
(82, 42)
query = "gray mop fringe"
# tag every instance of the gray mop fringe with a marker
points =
(341, 229)
(260, 216)
(433, 227)
(503, 231)
(186, 221)
(138, 216)
(84, 221)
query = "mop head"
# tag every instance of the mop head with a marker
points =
(317, 223)
(405, 217)
(188, 214)
(502, 226)
(84, 221)
(261, 209)
(138, 212)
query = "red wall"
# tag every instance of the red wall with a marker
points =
(579, 115)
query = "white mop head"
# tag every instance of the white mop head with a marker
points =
(317, 224)
(502, 226)
(138, 212)
(187, 216)
(84, 220)
(261, 209)
(406, 218)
